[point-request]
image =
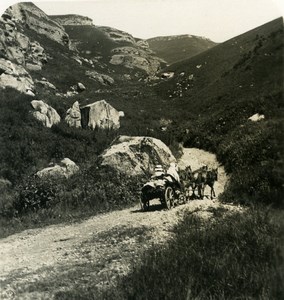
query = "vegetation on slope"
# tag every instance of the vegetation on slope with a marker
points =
(178, 48)
(212, 94)
(217, 91)
(233, 256)
(211, 113)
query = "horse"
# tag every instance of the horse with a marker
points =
(211, 177)
(192, 180)
(199, 179)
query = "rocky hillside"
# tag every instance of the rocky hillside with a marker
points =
(179, 47)
(28, 15)
(37, 45)
(208, 102)
(116, 50)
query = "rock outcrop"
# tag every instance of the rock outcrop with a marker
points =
(73, 116)
(34, 18)
(147, 64)
(15, 76)
(137, 56)
(118, 35)
(67, 20)
(136, 155)
(65, 169)
(17, 47)
(44, 113)
(101, 78)
(45, 83)
(100, 115)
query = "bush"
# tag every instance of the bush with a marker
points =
(36, 193)
(253, 154)
(38, 202)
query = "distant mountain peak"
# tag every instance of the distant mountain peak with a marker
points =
(177, 37)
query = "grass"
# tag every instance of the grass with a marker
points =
(231, 82)
(174, 49)
(234, 255)
(36, 203)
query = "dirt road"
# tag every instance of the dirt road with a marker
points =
(98, 249)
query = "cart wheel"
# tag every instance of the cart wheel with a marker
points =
(169, 197)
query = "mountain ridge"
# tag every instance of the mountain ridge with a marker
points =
(179, 47)
(71, 19)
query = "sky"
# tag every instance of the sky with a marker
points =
(218, 20)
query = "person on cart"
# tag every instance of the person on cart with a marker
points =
(173, 172)
(158, 173)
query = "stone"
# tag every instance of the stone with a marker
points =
(136, 155)
(101, 78)
(16, 54)
(64, 169)
(73, 116)
(23, 40)
(80, 87)
(168, 75)
(30, 93)
(33, 67)
(44, 113)
(100, 115)
(256, 117)
(43, 82)
(15, 76)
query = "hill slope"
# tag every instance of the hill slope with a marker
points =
(179, 47)
(215, 93)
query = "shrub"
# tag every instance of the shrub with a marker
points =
(36, 193)
(253, 155)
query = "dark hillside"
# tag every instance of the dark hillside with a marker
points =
(177, 48)
(218, 90)
(61, 69)
(102, 45)
(92, 40)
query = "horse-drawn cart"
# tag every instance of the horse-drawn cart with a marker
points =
(165, 189)
(169, 192)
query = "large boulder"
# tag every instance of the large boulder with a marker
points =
(136, 155)
(44, 113)
(64, 169)
(100, 115)
(73, 116)
(15, 76)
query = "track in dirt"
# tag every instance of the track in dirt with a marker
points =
(109, 243)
